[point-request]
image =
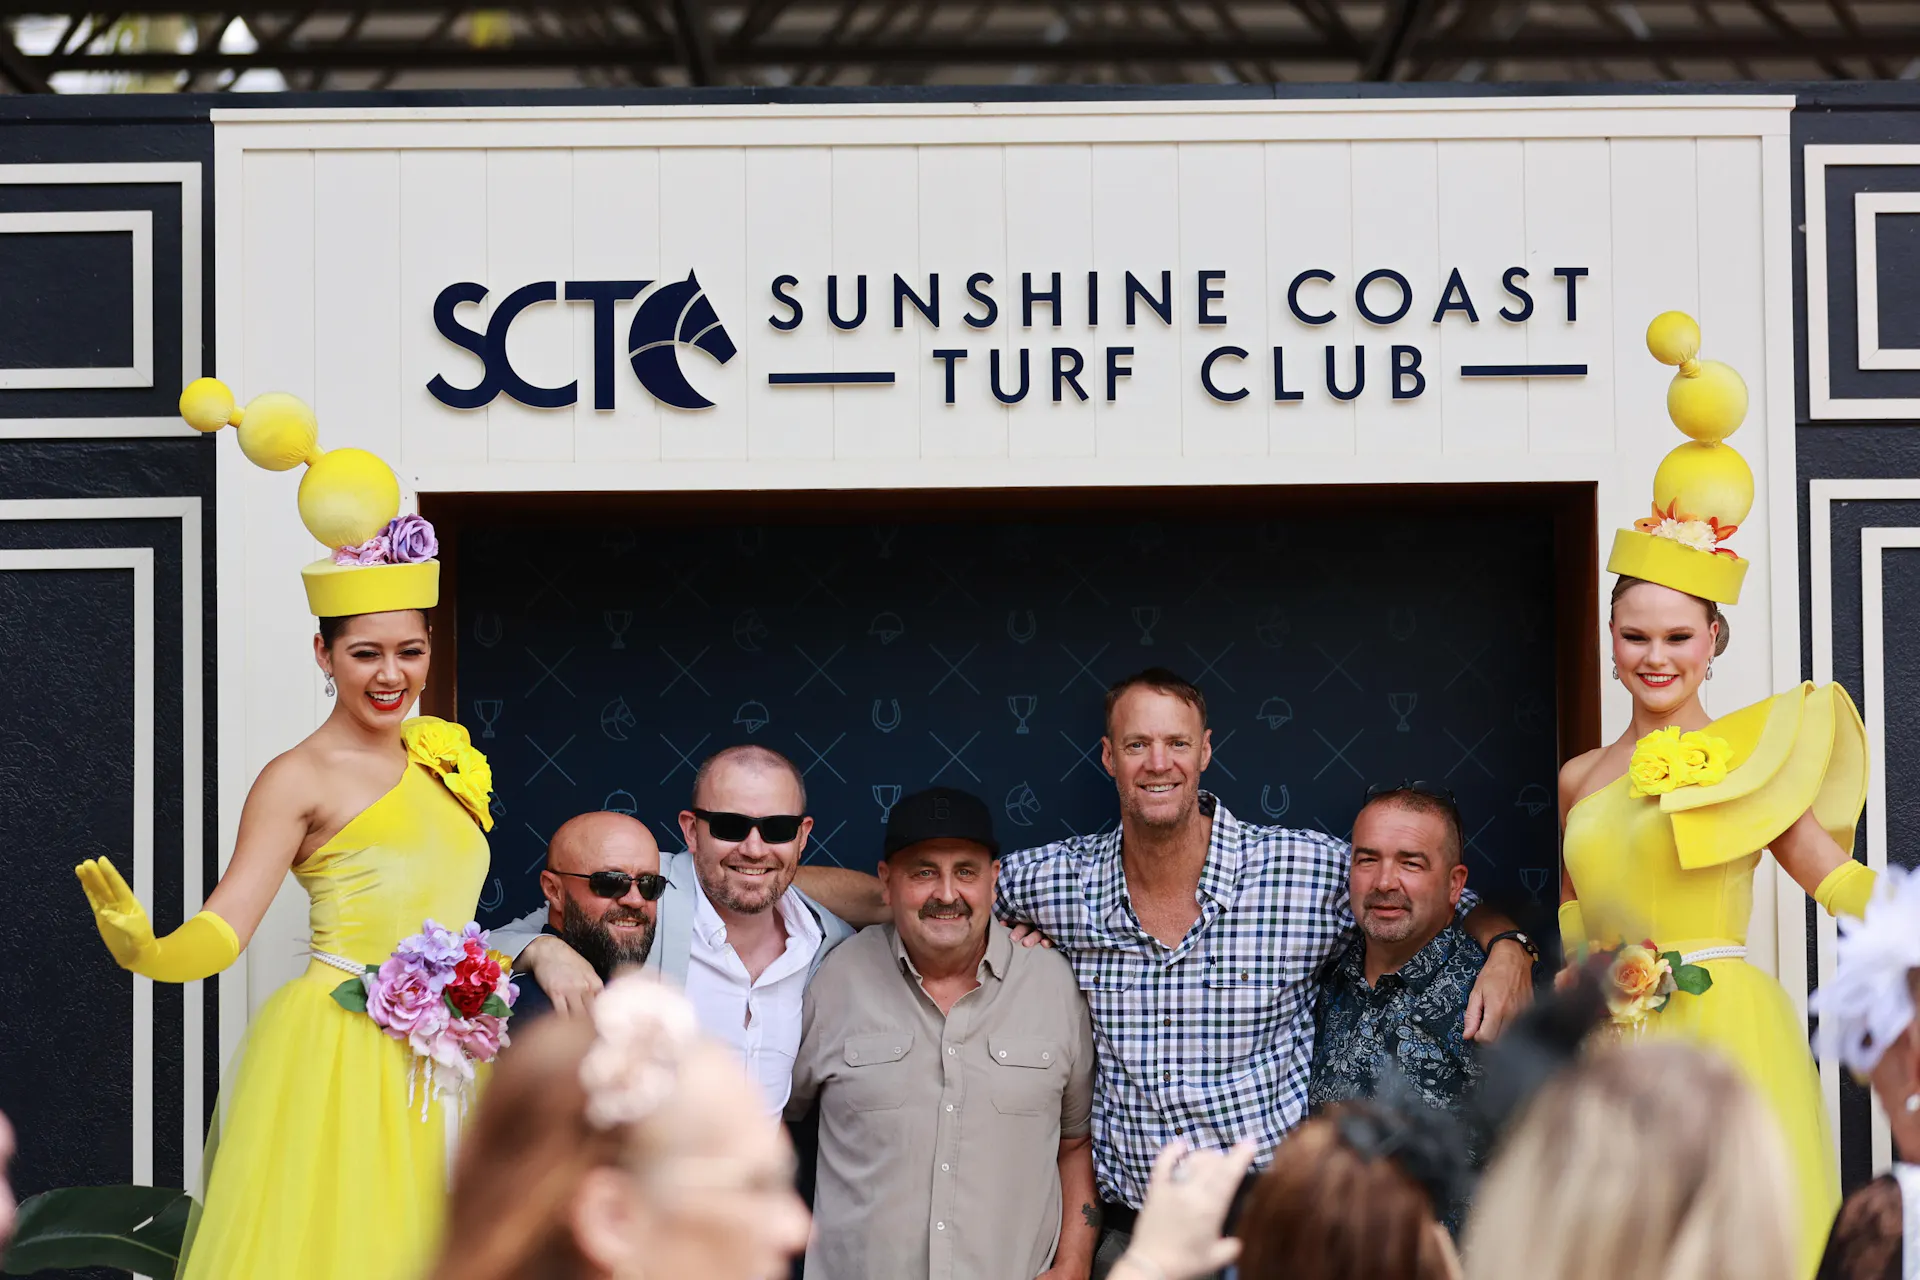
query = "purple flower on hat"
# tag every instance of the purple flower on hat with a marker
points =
(375, 550)
(410, 540)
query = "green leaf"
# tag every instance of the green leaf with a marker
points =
(1673, 959)
(1692, 979)
(496, 1007)
(351, 995)
(136, 1229)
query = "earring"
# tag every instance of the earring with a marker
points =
(1616, 671)
(1913, 1103)
(1709, 668)
(329, 684)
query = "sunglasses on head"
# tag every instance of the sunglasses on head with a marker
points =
(614, 884)
(779, 828)
(1432, 790)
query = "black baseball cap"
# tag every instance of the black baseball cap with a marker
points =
(940, 813)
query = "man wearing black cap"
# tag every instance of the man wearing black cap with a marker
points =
(954, 1076)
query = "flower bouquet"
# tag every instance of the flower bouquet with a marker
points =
(446, 997)
(1641, 979)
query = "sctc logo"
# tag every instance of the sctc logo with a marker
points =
(672, 316)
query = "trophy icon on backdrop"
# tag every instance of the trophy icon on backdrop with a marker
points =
(1402, 705)
(1146, 617)
(1535, 880)
(618, 620)
(886, 795)
(1022, 705)
(488, 709)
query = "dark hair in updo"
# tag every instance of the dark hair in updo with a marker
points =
(330, 628)
(1625, 583)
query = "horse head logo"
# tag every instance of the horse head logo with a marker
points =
(672, 316)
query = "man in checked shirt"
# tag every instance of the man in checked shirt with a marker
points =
(1197, 939)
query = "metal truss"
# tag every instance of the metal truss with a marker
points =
(361, 44)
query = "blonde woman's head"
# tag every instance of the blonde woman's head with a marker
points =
(622, 1147)
(1642, 1162)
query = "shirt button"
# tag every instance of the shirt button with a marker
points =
(1178, 1131)
(1243, 977)
(949, 1106)
(1003, 1053)
(949, 1051)
(1167, 1022)
(1166, 1075)
(939, 1226)
(945, 1167)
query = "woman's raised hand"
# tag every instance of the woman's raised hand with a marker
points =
(122, 921)
(1178, 1235)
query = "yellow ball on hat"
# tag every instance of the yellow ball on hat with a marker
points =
(347, 498)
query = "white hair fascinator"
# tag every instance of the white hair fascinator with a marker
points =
(642, 1033)
(1869, 1003)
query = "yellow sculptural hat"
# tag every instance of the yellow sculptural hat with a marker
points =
(349, 501)
(1703, 489)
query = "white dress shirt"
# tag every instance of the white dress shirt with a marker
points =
(759, 1020)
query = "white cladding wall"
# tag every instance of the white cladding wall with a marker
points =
(336, 231)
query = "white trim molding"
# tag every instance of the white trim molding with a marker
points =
(1867, 208)
(1874, 543)
(187, 176)
(140, 561)
(138, 223)
(1821, 402)
(192, 770)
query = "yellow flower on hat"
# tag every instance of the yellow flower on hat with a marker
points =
(445, 748)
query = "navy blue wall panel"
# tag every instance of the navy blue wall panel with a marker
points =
(597, 667)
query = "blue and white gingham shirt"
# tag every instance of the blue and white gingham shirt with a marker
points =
(1211, 1040)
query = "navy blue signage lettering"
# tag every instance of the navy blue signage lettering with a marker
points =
(673, 315)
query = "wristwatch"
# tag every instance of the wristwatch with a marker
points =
(1514, 935)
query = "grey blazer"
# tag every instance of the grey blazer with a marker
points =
(673, 936)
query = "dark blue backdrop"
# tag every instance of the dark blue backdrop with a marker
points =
(597, 667)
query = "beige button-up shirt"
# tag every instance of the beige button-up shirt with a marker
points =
(940, 1136)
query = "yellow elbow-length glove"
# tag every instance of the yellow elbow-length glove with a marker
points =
(1846, 889)
(200, 948)
(1573, 931)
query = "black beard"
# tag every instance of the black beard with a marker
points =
(595, 941)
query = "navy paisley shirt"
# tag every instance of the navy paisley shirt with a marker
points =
(1414, 1018)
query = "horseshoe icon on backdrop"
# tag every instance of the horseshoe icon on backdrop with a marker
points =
(495, 895)
(1267, 806)
(886, 726)
(1015, 633)
(488, 628)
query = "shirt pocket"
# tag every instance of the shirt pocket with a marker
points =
(1025, 1075)
(877, 1070)
(1245, 993)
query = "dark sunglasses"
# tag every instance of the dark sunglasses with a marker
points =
(1432, 790)
(614, 884)
(778, 828)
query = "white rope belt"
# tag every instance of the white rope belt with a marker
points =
(1714, 953)
(345, 965)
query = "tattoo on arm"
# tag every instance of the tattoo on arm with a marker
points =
(1091, 1212)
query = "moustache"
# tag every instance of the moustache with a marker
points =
(946, 911)
(624, 915)
(1399, 900)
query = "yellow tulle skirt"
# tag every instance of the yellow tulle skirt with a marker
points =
(1747, 1018)
(321, 1167)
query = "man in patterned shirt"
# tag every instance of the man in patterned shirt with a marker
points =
(1395, 999)
(1197, 940)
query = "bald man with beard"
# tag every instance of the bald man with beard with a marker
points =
(602, 884)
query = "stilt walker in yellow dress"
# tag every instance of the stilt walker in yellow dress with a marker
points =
(331, 1162)
(1665, 826)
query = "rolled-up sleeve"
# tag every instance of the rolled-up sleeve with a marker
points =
(1076, 1100)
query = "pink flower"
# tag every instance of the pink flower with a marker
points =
(485, 1036)
(446, 1045)
(404, 999)
(374, 550)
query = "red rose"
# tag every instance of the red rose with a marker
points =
(474, 979)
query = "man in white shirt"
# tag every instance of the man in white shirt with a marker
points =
(731, 927)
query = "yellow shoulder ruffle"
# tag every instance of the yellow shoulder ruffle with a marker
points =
(1799, 750)
(445, 748)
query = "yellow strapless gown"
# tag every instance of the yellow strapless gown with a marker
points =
(1679, 869)
(324, 1170)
